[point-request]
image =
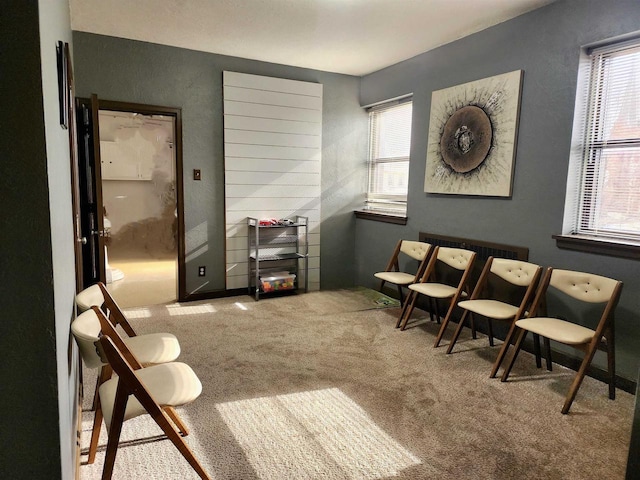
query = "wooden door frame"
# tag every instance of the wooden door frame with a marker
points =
(175, 112)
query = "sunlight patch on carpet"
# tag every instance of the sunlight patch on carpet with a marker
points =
(241, 306)
(313, 435)
(177, 309)
(137, 313)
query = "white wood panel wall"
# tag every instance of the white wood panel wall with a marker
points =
(272, 153)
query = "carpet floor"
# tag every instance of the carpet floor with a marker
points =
(322, 386)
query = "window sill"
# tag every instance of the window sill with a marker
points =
(584, 243)
(381, 217)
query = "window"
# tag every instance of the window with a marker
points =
(603, 194)
(389, 146)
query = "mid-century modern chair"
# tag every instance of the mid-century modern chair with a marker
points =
(487, 301)
(441, 287)
(155, 390)
(392, 274)
(149, 349)
(98, 295)
(584, 289)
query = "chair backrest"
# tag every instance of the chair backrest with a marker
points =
(86, 329)
(97, 295)
(416, 250)
(515, 272)
(586, 287)
(581, 286)
(89, 297)
(457, 258)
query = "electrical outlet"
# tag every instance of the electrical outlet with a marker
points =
(202, 270)
(196, 174)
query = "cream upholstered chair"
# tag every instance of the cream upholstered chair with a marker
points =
(155, 390)
(415, 251)
(586, 289)
(149, 349)
(441, 287)
(98, 295)
(487, 302)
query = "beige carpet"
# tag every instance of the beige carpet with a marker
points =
(322, 386)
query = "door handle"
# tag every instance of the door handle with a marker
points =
(82, 240)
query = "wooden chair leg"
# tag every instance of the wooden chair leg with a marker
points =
(547, 352)
(105, 374)
(160, 418)
(401, 295)
(577, 381)
(516, 351)
(503, 350)
(536, 350)
(173, 415)
(407, 308)
(611, 362)
(456, 334)
(95, 433)
(402, 323)
(472, 320)
(117, 418)
(490, 324)
(437, 310)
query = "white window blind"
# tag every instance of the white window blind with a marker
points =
(390, 144)
(608, 203)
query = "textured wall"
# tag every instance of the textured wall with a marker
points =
(125, 70)
(545, 44)
(39, 382)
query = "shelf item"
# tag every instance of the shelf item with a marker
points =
(278, 256)
(278, 281)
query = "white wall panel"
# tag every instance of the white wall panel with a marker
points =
(268, 152)
(237, 122)
(274, 112)
(273, 151)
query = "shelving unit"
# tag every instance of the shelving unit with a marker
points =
(278, 257)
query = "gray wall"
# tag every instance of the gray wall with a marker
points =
(39, 367)
(126, 70)
(546, 45)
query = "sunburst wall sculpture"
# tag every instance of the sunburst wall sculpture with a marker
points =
(472, 137)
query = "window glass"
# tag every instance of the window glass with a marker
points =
(389, 149)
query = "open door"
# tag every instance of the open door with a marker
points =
(96, 166)
(92, 218)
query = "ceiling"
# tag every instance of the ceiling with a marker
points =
(353, 37)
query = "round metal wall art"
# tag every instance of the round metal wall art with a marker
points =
(466, 139)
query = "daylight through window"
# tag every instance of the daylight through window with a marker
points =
(607, 193)
(389, 147)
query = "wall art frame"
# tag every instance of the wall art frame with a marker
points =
(473, 128)
(62, 58)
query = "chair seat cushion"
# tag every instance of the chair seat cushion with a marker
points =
(170, 384)
(399, 278)
(490, 308)
(154, 348)
(434, 290)
(558, 330)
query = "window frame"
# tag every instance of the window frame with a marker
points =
(586, 148)
(385, 207)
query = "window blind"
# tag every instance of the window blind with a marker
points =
(609, 197)
(390, 145)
